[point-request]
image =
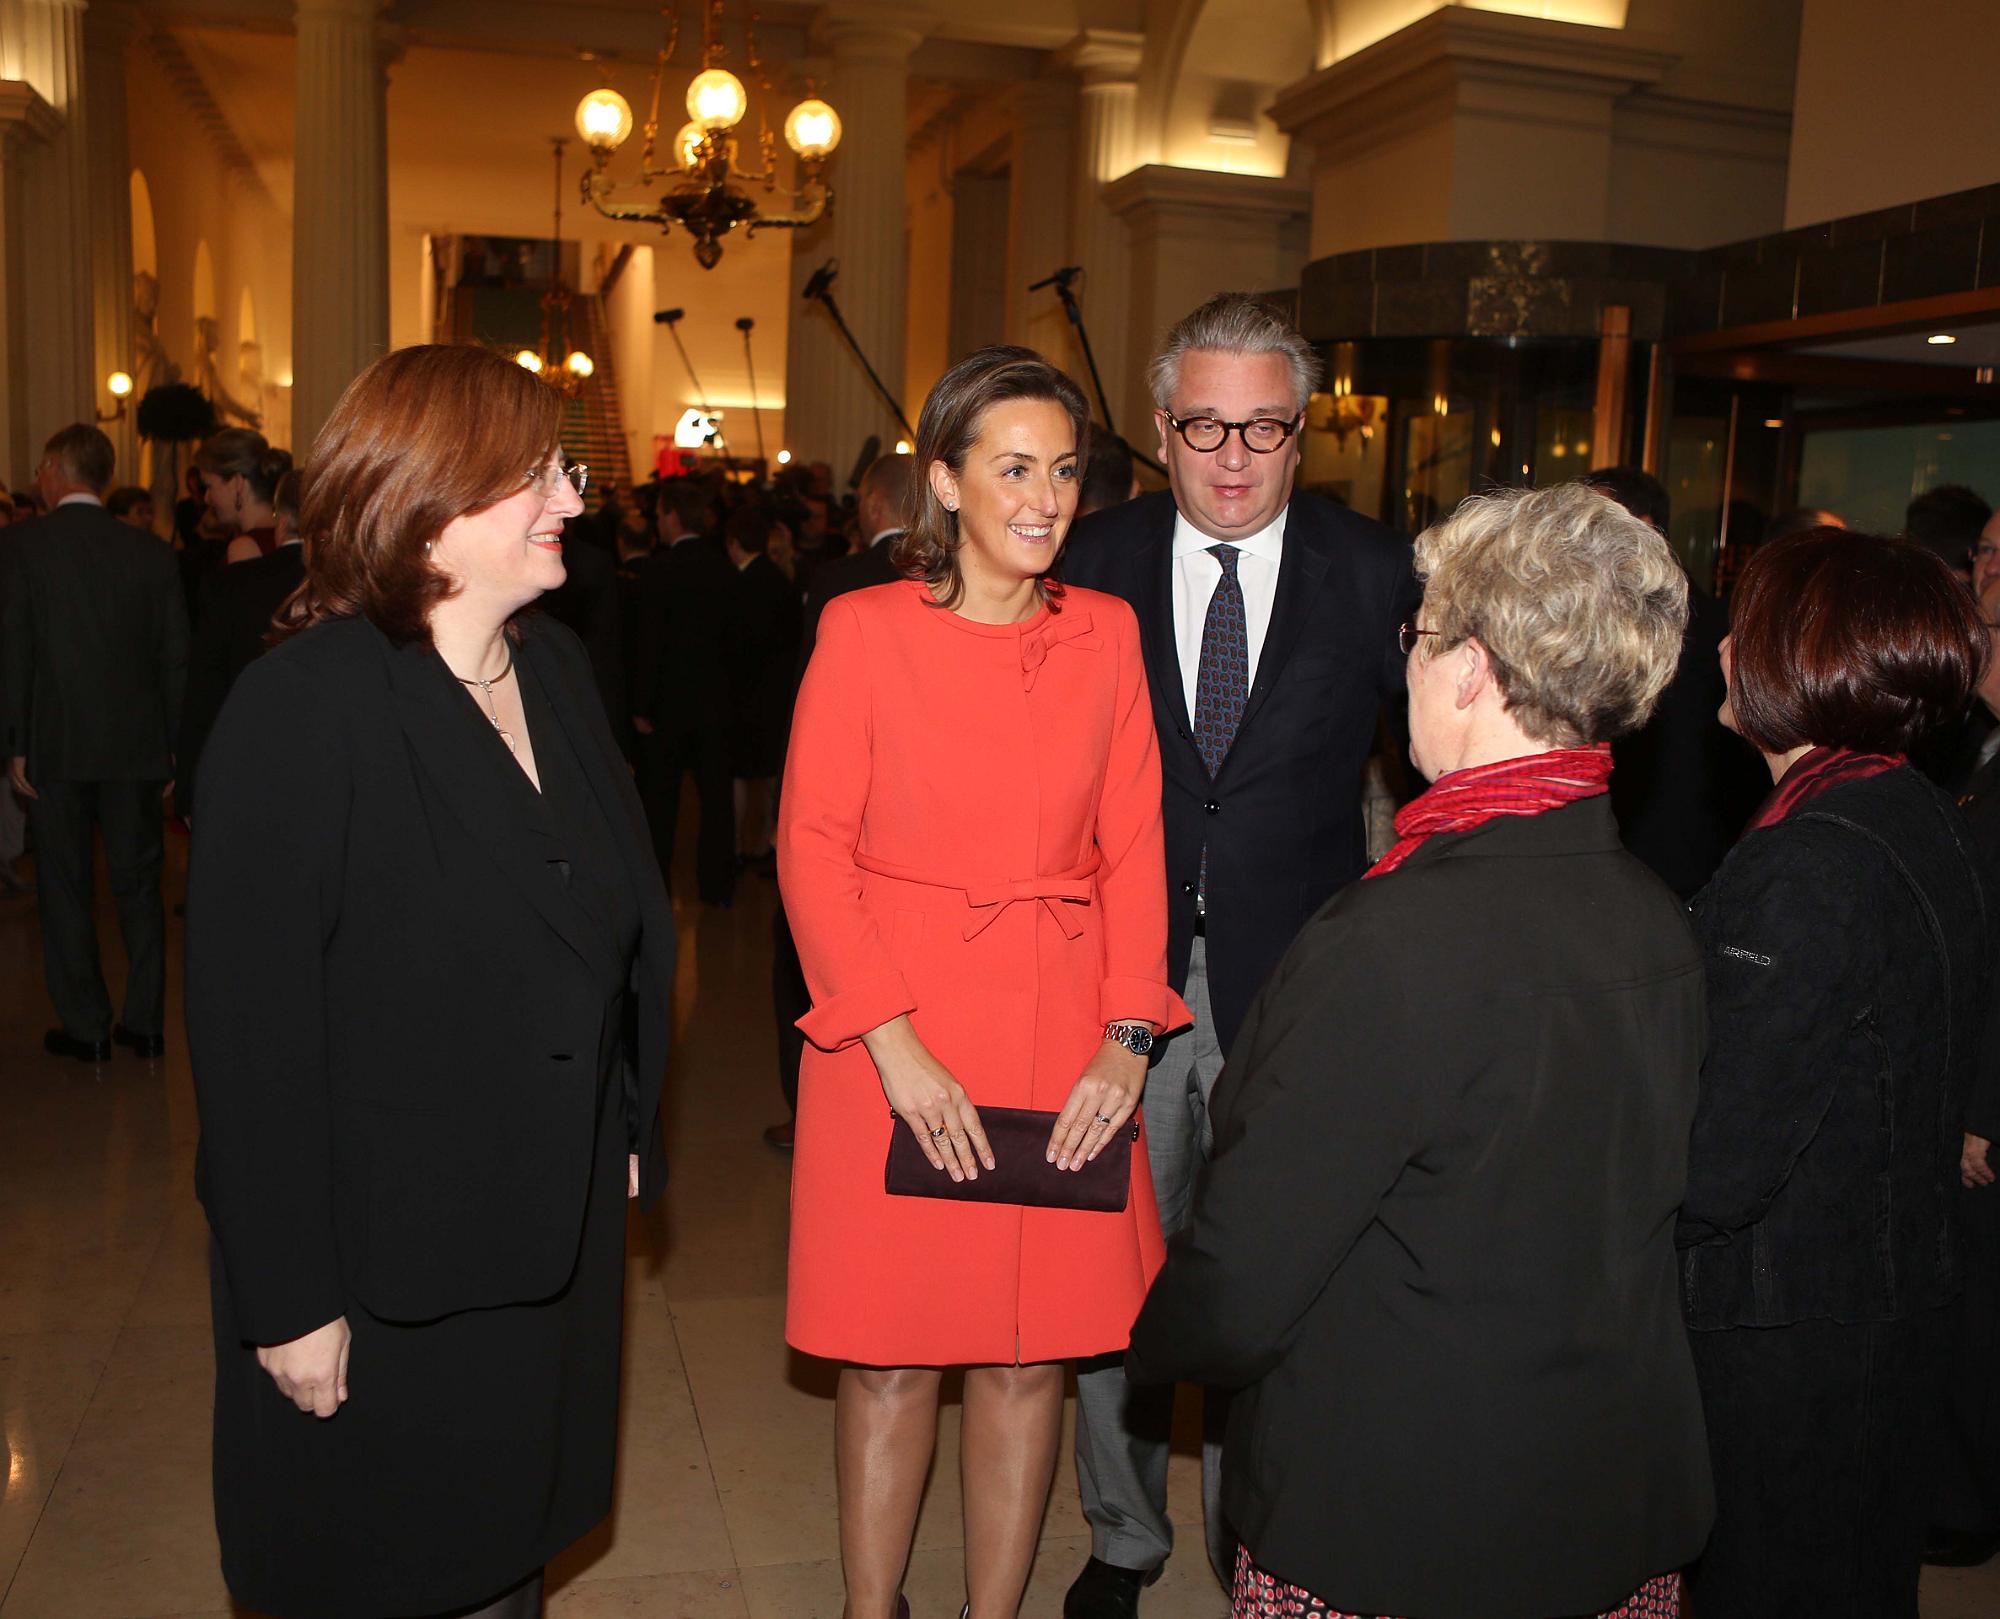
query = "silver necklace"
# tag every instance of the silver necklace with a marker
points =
(492, 708)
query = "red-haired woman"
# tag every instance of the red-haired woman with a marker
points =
(422, 903)
(1847, 946)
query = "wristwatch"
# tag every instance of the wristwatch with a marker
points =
(1134, 1037)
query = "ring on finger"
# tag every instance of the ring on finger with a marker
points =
(939, 1133)
(1104, 1118)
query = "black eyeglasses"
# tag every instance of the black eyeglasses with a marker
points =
(1262, 435)
(1408, 637)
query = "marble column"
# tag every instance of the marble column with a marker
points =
(48, 259)
(1107, 65)
(108, 27)
(830, 406)
(340, 213)
(1043, 112)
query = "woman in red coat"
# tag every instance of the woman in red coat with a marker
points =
(971, 855)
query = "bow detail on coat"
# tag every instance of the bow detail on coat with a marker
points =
(1057, 893)
(1062, 629)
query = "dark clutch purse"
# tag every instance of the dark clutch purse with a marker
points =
(1019, 1136)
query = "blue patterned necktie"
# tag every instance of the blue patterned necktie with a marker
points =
(1222, 681)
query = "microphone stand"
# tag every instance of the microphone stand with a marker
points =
(671, 319)
(820, 290)
(743, 325)
(1061, 282)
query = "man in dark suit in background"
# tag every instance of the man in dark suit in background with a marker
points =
(681, 695)
(93, 656)
(1683, 784)
(1269, 620)
(231, 631)
(882, 505)
(1108, 476)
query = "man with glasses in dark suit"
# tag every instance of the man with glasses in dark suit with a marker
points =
(93, 657)
(1269, 622)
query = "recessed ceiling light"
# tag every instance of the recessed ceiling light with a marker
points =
(1774, 421)
(1940, 339)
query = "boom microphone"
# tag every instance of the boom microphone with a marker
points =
(822, 280)
(667, 317)
(1062, 278)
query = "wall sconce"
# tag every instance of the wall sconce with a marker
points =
(119, 385)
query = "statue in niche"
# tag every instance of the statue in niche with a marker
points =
(150, 366)
(207, 335)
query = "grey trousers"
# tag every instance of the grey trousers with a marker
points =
(66, 818)
(1122, 1432)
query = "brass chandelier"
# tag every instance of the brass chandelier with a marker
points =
(563, 367)
(711, 198)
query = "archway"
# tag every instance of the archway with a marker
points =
(145, 243)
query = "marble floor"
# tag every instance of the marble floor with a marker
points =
(725, 1504)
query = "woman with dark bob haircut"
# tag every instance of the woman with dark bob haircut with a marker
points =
(972, 859)
(429, 958)
(1846, 946)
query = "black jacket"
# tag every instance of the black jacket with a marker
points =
(1849, 961)
(1684, 785)
(394, 1035)
(683, 656)
(587, 601)
(1282, 818)
(93, 648)
(1979, 802)
(230, 631)
(1434, 1247)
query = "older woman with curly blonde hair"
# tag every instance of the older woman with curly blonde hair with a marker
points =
(1434, 1248)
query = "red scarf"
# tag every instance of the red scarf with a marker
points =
(1462, 799)
(1813, 773)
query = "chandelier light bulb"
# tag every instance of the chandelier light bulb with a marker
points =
(529, 360)
(579, 364)
(604, 119)
(119, 383)
(688, 146)
(812, 129)
(716, 99)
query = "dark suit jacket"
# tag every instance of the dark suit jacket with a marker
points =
(394, 1029)
(769, 619)
(587, 601)
(1684, 785)
(683, 660)
(836, 578)
(1980, 802)
(93, 648)
(230, 631)
(1282, 819)
(1434, 1247)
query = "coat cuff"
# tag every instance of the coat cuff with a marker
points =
(1148, 1000)
(834, 1025)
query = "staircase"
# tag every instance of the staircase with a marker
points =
(510, 319)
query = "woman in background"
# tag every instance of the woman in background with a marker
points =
(1847, 941)
(239, 481)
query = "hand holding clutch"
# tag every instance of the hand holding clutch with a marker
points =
(1100, 1105)
(923, 1094)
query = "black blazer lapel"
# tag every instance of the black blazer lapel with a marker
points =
(1154, 561)
(1301, 574)
(467, 770)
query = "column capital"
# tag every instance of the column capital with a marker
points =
(1158, 192)
(25, 116)
(1103, 56)
(1453, 59)
(871, 32)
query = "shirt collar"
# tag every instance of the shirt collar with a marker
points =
(1267, 542)
(886, 534)
(79, 500)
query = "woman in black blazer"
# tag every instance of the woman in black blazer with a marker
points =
(1848, 946)
(429, 962)
(1434, 1247)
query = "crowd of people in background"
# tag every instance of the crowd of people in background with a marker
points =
(1540, 1234)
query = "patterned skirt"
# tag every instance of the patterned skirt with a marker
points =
(1264, 1596)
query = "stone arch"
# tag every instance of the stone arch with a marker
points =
(1229, 54)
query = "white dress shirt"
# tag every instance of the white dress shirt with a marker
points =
(1196, 574)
